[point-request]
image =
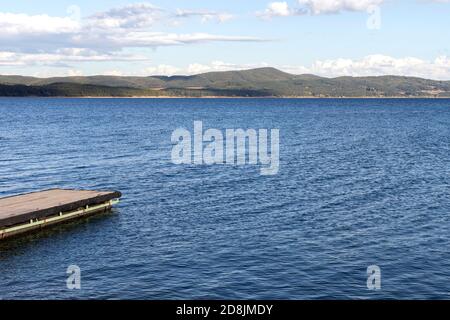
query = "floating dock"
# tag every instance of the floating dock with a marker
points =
(32, 211)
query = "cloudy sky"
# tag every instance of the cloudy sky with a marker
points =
(324, 37)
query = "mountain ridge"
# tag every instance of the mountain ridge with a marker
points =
(260, 82)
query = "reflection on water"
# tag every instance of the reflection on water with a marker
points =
(26, 241)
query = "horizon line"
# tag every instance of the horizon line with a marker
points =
(222, 71)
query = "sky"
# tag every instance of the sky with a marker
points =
(325, 37)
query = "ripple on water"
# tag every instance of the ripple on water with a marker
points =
(361, 182)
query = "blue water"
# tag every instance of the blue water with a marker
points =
(361, 182)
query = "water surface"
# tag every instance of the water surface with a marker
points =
(361, 182)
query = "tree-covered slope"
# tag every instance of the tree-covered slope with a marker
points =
(262, 82)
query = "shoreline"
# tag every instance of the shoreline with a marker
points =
(220, 97)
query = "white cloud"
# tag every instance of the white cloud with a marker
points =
(205, 15)
(162, 70)
(197, 68)
(335, 6)
(376, 65)
(372, 65)
(49, 73)
(154, 39)
(316, 7)
(22, 24)
(109, 32)
(279, 9)
(131, 16)
(215, 66)
(62, 57)
(117, 73)
(74, 73)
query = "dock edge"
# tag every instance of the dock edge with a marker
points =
(62, 217)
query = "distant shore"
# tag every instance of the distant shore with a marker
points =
(218, 97)
(261, 83)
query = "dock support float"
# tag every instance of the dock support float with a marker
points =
(42, 209)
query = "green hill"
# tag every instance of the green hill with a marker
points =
(262, 82)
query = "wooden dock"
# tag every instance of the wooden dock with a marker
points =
(31, 211)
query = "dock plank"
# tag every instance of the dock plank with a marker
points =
(36, 205)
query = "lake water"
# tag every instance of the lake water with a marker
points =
(361, 182)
